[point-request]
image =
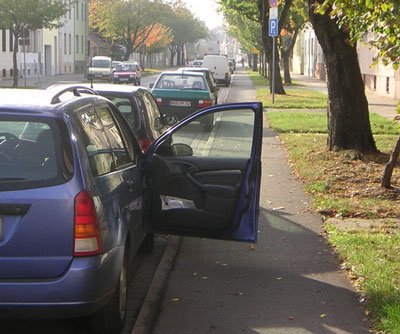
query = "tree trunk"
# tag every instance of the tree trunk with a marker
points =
(286, 68)
(15, 63)
(348, 115)
(268, 43)
(387, 174)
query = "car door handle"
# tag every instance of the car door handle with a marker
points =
(188, 168)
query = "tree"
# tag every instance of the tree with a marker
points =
(127, 22)
(184, 28)
(348, 114)
(382, 18)
(158, 40)
(298, 16)
(259, 12)
(20, 16)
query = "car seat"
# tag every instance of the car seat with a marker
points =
(197, 85)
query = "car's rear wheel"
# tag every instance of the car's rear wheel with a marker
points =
(208, 122)
(147, 245)
(111, 318)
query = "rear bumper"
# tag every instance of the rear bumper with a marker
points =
(85, 287)
(179, 112)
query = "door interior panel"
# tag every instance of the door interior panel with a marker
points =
(195, 195)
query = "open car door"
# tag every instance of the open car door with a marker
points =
(207, 183)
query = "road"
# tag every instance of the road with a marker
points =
(143, 272)
(290, 282)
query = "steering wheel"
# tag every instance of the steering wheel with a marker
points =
(11, 141)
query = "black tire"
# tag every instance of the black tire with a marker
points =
(147, 245)
(208, 123)
(111, 318)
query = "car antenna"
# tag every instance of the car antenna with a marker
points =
(91, 82)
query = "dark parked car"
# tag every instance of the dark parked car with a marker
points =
(73, 210)
(138, 107)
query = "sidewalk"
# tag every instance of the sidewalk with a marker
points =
(382, 105)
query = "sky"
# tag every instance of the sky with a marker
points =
(206, 10)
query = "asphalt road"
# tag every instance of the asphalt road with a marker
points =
(290, 282)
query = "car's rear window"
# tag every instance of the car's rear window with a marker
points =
(184, 81)
(34, 152)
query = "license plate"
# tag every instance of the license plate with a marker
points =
(180, 103)
(98, 75)
(123, 79)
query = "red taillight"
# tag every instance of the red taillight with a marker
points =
(159, 101)
(87, 233)
(204, 103)
(144, 143)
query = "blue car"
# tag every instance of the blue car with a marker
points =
(79, 198)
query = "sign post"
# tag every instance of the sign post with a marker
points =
(273, 32)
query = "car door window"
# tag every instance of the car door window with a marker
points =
(113, 134)
(153, 113)
(97, 147)
(231, 135)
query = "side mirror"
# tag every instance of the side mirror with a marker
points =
(151, 85)
(180, 149)
(170, 119)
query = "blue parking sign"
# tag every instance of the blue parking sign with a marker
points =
(273, 27)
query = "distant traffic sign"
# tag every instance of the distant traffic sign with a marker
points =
(273, 3)
(273, 27)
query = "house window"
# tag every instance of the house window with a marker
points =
(69, 43)
(11, 72)
(4, 72)
(69, 9)
(77, 11)
(82, 45)
(82, 12)
(77, 44)
(65, 43)
(374, 82)
(387, 84)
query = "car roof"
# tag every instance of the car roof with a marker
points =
(199, 74)
(103, 87)
(37, 101)
(193, 69)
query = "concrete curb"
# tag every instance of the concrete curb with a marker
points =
(151, 304)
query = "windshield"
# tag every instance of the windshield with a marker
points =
(176, 81)
(100, 63)
(33, 153)
(125, 68)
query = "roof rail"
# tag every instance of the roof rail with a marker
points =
(76, 90)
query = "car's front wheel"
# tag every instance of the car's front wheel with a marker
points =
(111, 318)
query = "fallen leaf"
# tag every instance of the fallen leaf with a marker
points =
(278, 208)
(204, 277)
(279, 278)
(175, 300)
(251, 247)
(323, 315)
(239, 293)
(290, 317)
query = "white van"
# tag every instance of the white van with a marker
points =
(218, 65)
(100, 68)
